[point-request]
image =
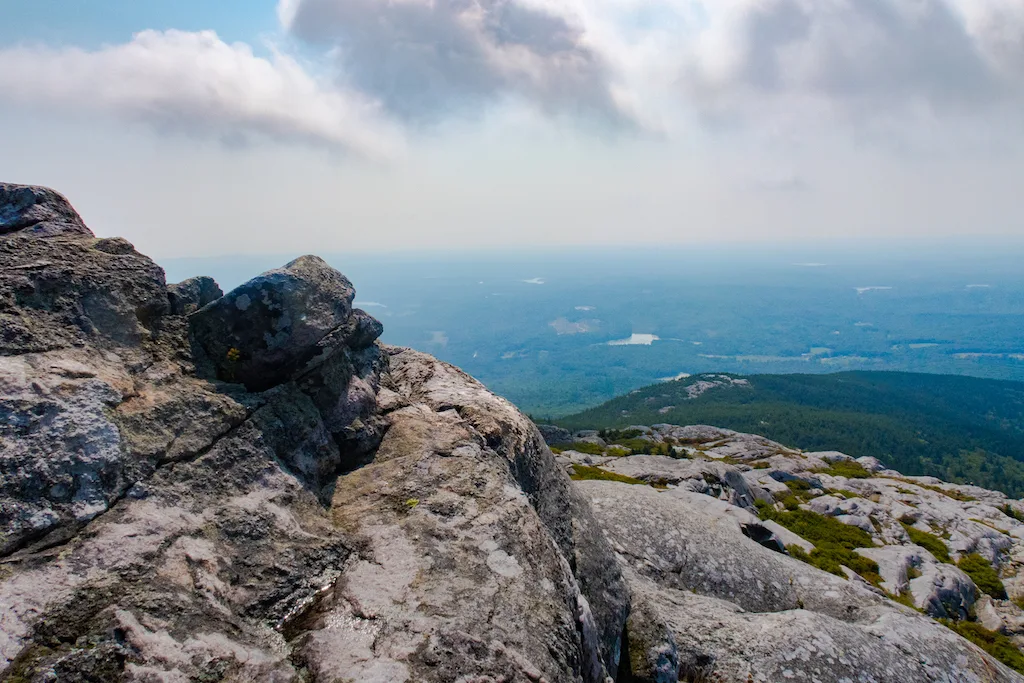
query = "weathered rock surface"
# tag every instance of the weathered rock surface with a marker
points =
(37, 211)
(317, 508)
(700, 537)
(738, 611)
(189, 296)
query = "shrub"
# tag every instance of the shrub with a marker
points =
(834, 542)
(762, 465)
(930, 542)
(847, 468)
(635, 445)
(1008, 510)
(992, 642)
(983, 575)
(584, 473)
(580, 447)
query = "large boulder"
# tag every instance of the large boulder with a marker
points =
(944, 591)
(263, 332)
(38, 211)
(69, 290)
(362, 514)
(740, 612)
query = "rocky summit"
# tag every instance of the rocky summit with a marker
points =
(199, 486)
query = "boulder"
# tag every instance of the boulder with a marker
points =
(830, 456)
(189, 296)
(944, 591)
(554, 435)
(267, 330)
(73, 289)
(38, 211)
(740, 612)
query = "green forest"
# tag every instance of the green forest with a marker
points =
(960, 429)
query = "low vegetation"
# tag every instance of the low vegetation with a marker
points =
(834, 542)
(585, 473)
(847, 468)
(930, 542)
(579, 447)
(992, 642)
(983, 574)
(1010, 512)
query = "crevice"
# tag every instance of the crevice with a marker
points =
(64, 533)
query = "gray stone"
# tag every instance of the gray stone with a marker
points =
(554, 435)
(190, 295)
(38, 211)
(740, 612)
(944, 591)
(267, 330)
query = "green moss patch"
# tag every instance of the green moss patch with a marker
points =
(992, 642)
(983, 575)
(586, 473)
(930, 542)
(834, 542)
(580, 447)
(847, 468)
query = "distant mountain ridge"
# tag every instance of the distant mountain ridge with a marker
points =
(960, 429)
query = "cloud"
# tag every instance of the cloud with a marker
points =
(863, 57)
(426, 59)
(196, 83)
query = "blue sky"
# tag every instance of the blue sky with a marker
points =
(199, 128)
(90, 23)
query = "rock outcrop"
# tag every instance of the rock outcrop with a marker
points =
(741, 592)
(199, 486)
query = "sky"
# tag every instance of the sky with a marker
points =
(198, 128)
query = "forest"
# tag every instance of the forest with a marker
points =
(960, 429)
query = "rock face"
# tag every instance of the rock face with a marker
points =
(38, 211)
(316, 507)
(249, 487)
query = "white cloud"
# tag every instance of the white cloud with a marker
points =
(428, 58)
(196, 83)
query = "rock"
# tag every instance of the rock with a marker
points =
(702, 476)
(189, 296)
(987, 614)
(895, 563)
(944, 591)
(650, 653)
(270, 328)
(604, 604)
(740, 612)
(787, 537)
(38, 211)
(554, 435)
(830, 456)
(67, 291)
(860, 521)
(871, 464)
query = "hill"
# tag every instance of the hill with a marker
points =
(960, 429)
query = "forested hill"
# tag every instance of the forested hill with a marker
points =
(961, 429)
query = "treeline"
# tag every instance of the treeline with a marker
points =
(960, 429)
